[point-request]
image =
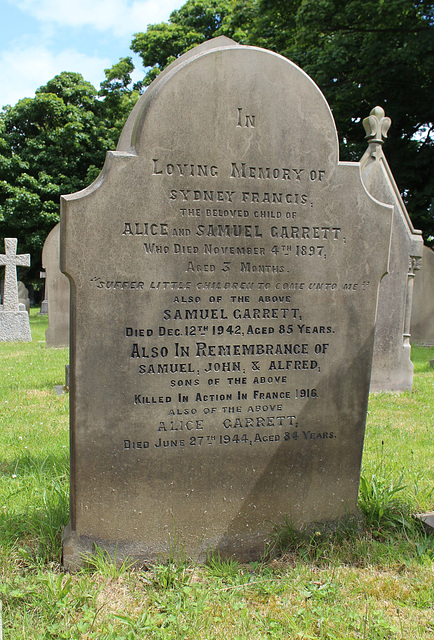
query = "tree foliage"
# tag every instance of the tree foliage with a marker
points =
(53, 144)
(119, 94)
(195, 22)
(369, 53)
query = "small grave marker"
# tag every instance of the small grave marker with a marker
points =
(14, 319)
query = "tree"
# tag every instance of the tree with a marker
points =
(195, 22)
(361, 53)
(49, 145)
(119, 95)
(364, 54)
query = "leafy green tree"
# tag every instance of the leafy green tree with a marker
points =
(369, 53)
(195, 22)
(49, 145)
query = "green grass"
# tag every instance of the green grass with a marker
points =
(372, 585)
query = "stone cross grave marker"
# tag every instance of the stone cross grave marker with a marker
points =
(14, 319)
(224, 275)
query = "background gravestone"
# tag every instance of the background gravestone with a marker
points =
(422, 317)
(44, 301)
(224, 274)
(57, 288)
(392, 369)
(23, 295)
(14, 319)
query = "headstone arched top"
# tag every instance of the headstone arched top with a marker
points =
(291, 116)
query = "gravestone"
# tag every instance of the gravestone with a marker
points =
(392, 369)
(44, 303)
(57, 288)
(224, 274)
(422, 317)
(14, 319)
(23, 295)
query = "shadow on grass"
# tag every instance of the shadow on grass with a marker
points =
(36, 507)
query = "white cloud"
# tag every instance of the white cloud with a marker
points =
(23, 70)
(121, 17)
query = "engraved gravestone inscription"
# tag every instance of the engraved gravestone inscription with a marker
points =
(224, 286)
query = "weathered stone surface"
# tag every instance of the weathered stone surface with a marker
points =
(44, 302)
(392, 369)
(427, 520)
(422, 317)
(14, 319)
(224, 275)
(57, 287)
(23, 295)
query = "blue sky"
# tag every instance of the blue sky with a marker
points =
(41, 38)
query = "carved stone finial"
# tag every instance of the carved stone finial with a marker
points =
(376, 125)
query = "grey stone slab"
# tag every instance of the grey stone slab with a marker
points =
(224, 279)
(57, 288)
(422, 318)
(44, 308)
(15, 326)
(14, 319)
(392, 369)
(23, 295)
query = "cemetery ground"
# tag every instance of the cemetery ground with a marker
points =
(373, 584)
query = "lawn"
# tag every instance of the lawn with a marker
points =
(370, 585)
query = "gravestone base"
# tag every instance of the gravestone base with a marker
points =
(253, 547)
(77, 550)
(59, 389)
(427, 520)
(395, 378)
(44, 308)
(15, 326)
